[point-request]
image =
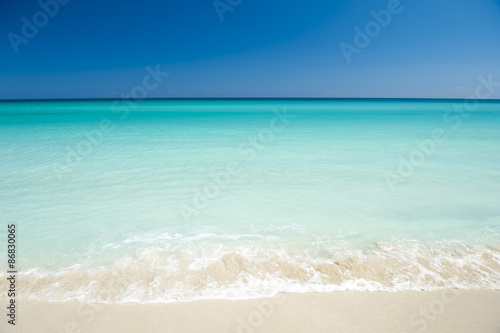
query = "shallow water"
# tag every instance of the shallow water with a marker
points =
(168, 201)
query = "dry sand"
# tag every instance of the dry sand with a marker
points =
(414, 311)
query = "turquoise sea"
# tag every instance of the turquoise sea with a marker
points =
(175, 200)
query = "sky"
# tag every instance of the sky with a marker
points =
(247, 48)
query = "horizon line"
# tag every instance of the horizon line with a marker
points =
(2, 100)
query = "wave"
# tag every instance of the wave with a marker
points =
(223, 272)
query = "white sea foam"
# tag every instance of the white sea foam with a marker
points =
(221, 272)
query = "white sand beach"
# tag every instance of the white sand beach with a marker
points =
(406, 311)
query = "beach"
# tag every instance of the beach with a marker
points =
(406, 311)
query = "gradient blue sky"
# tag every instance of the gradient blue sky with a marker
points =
(261, 49)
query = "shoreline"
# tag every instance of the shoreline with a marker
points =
(447, 310)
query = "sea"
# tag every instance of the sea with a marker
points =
(157, 201)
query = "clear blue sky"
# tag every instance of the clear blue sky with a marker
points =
(260, 49)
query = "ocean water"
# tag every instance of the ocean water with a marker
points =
(165, 201)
